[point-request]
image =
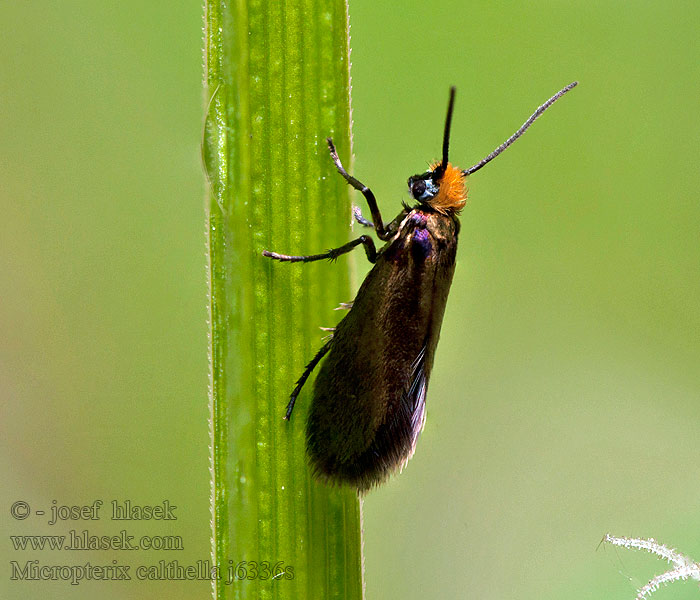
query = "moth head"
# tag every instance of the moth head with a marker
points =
(442, 189)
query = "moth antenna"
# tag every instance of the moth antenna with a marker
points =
(440, 169)
(517, 134)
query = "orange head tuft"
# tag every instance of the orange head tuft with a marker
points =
(452, 193)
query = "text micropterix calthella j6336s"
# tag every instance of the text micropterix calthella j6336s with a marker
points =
(368, 405)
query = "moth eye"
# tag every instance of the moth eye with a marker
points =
(418, 189)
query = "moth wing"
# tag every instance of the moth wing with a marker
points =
(369, 395)
(414, 399)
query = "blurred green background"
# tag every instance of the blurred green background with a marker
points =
(565, 399)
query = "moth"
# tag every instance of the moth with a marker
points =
(368, 405)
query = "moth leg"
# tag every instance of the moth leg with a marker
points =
(305, 375)
(390, 229)
(357, 215)
(366, 192)
(332, 254)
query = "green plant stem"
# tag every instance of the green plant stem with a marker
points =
(277, 80)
